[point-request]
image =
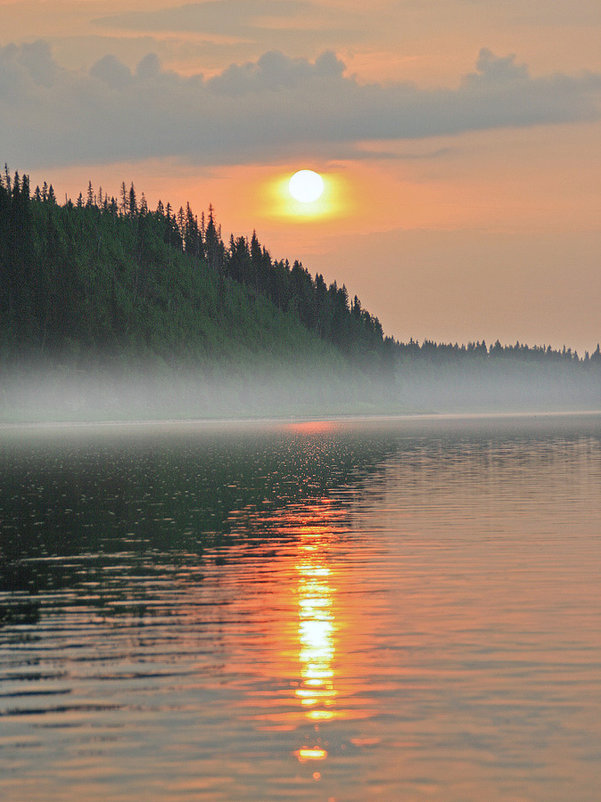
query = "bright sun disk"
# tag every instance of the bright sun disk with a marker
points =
(306, 186)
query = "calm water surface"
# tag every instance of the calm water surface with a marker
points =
(364, 610)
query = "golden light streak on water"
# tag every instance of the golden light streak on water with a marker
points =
(316, 636)
(314, 753)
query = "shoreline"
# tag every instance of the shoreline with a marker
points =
(209, 422)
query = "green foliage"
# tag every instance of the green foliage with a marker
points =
(323, 310)
(100, 281)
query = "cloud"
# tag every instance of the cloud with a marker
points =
(262, 111)
(273, 72)
(112, 72)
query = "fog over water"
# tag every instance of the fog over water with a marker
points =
(264, 391)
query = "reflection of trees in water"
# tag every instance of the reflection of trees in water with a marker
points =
(97, 514)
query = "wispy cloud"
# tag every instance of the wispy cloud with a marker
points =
(261, 22)
(262, 111)
(231, 17)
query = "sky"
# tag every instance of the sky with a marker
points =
(459, 141)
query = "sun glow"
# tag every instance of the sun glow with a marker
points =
(307, 196)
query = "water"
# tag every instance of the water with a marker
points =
(387, 610)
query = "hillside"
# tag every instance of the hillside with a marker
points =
(92, 281)
(116, 293)
(107, 304)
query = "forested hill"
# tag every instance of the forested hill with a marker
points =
(101, 277)
(109, 282)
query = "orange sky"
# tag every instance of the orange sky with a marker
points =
(464, 184)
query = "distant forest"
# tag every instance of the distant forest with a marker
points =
(107, 280)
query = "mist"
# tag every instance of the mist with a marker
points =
(38, 392)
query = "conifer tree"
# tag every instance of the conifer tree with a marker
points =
(124, 204)
(132, 205)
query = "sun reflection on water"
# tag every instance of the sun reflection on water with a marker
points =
(311, 754)
(316, 630)
(314, 671)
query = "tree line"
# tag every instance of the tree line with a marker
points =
(103, 274)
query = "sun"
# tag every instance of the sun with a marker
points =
(306, 186)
